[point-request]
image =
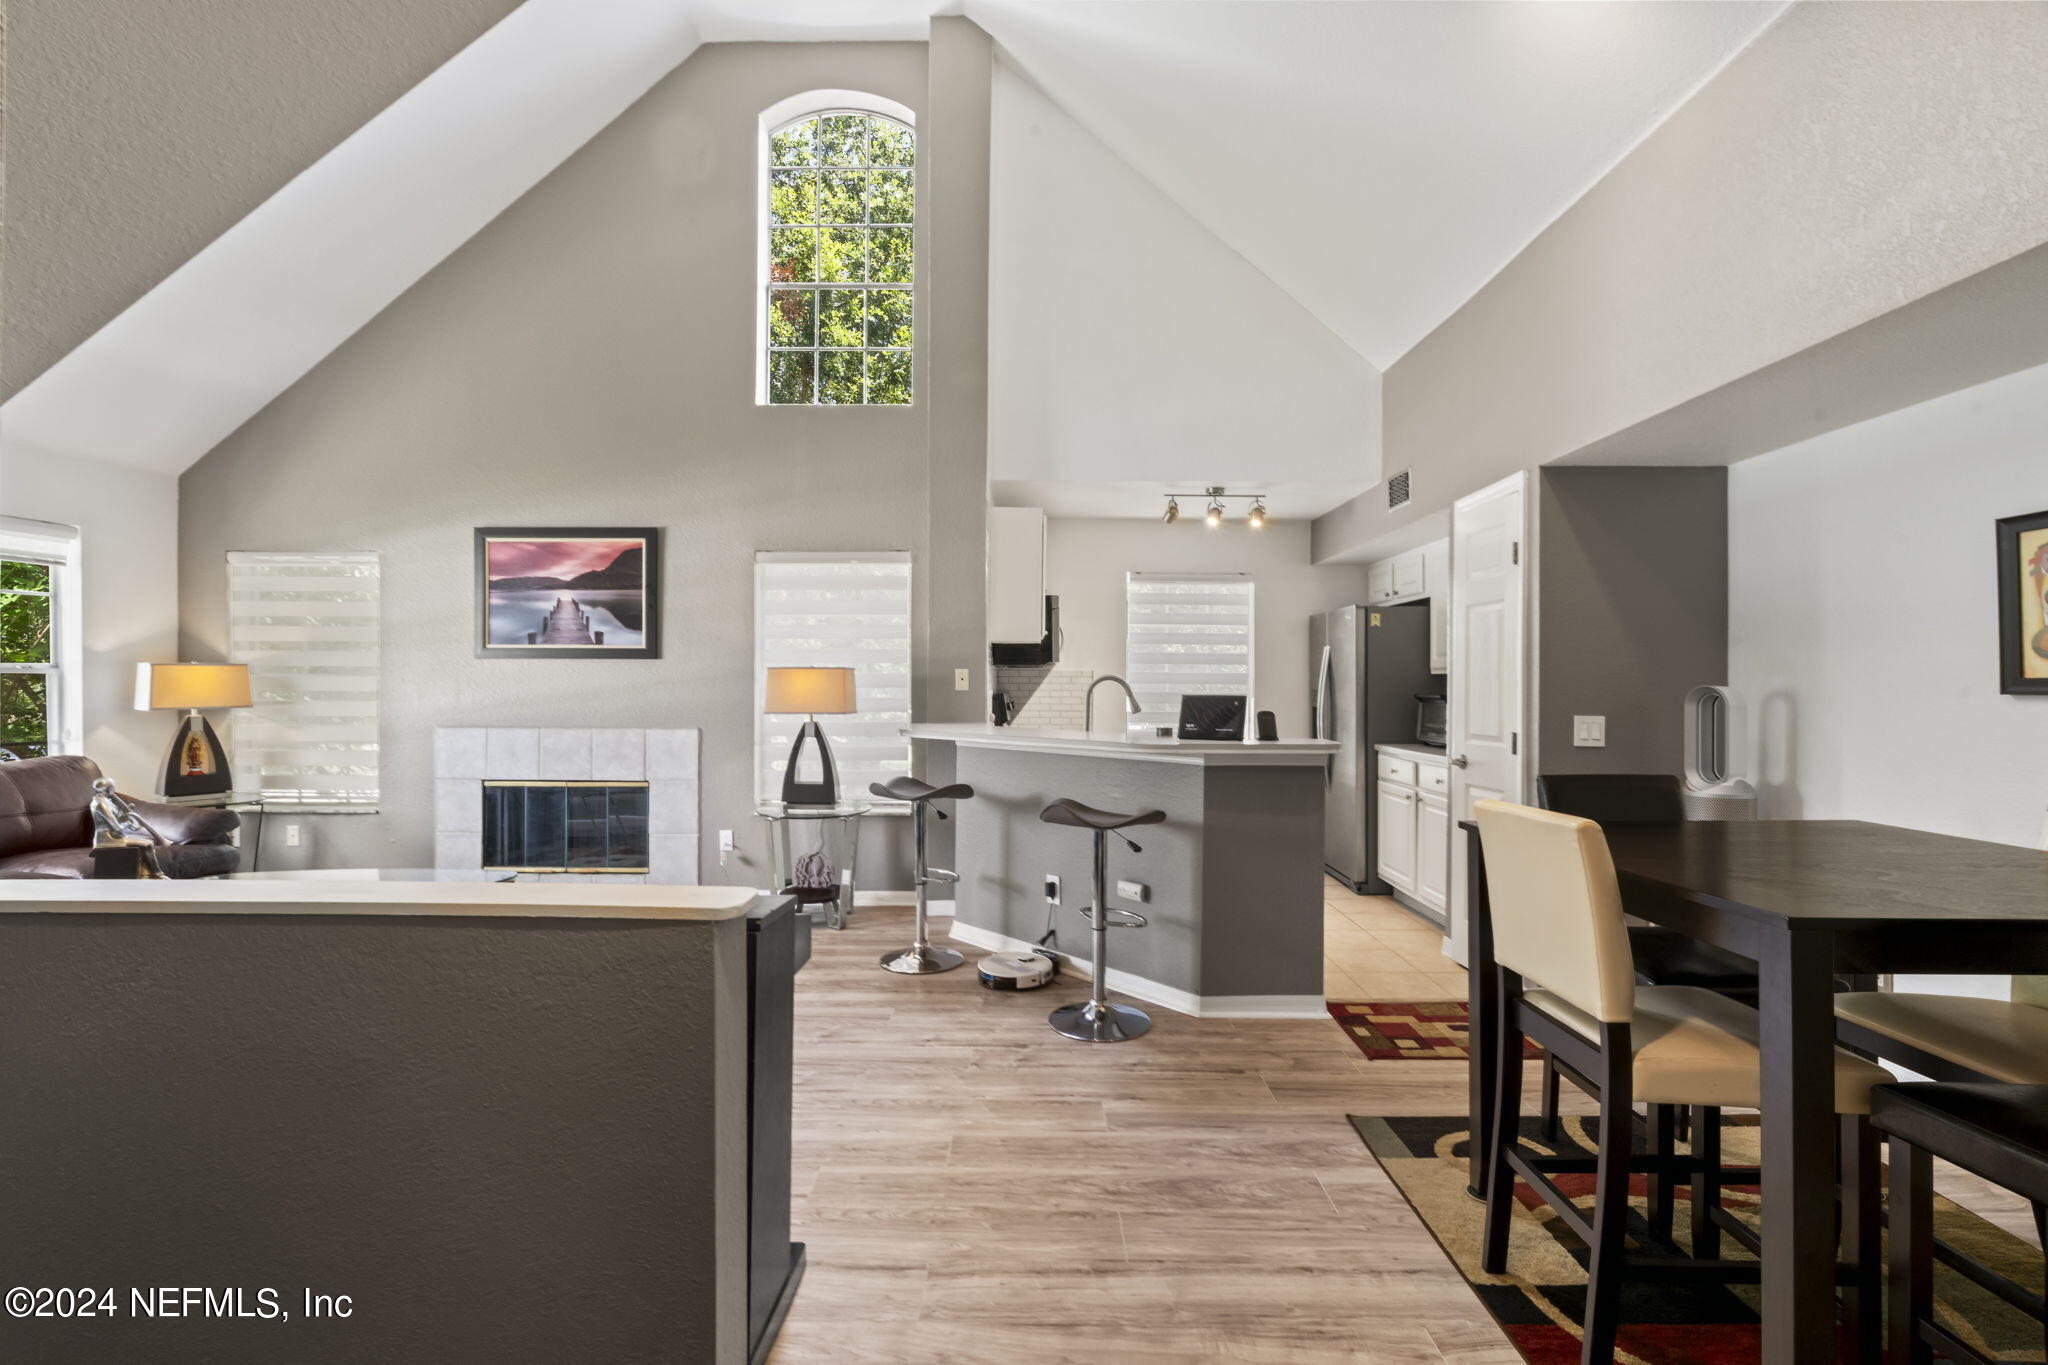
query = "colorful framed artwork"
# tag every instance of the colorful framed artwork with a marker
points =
(568, 592)
(2023, 604)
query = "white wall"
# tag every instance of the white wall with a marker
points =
(128, 525)
(1087, 559)
(1126, 342)
(1863, 622)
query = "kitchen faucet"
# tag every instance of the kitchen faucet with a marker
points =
(1088, 706)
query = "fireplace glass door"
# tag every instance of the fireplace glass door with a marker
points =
(565, 826)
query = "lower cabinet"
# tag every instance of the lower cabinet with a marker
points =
(1397, 836)
(1433, 851)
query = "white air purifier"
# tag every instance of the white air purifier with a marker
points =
(1716, 738)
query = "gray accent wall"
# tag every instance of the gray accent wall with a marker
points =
(1631, 610)
(589, 359)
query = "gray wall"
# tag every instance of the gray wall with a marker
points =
(1631, 610)
(1855, 157)
(588, 359)
(143, 129)
(506, 1139)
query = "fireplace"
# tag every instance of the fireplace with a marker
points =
(543, 826)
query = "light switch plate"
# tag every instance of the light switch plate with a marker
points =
(1589, 732)
(962, 679)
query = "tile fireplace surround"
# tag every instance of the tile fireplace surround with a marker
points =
(465, 757)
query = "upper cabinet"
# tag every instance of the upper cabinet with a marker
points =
(1410, 576)
(1016, 575)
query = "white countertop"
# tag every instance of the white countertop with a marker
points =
(320, 896)
(1423, 753)
(1283, 753)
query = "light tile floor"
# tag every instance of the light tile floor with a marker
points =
(1374, 948)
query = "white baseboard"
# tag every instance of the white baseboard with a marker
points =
(1152, 992)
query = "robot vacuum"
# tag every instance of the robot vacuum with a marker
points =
(1017, 971)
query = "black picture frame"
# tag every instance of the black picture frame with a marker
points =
(651, 605)
(2020, 538)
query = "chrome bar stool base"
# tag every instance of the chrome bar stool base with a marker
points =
(921, 961)
(1088, 1022)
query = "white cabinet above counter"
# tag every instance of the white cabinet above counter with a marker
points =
(1016, 575)
(1424, 572)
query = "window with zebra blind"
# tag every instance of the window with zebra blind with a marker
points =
(1185, 635)
(306, 624)
(836, 610)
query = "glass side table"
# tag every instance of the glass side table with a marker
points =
(815, 849)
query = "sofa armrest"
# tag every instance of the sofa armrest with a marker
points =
(187, 824)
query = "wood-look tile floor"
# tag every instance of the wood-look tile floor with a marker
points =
(974, 1187)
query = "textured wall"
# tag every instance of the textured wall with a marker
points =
(587, 359)
(506, 1140)
(1855, 157)
(1632, 610)
(143, 129)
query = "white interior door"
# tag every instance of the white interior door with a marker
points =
(1488, 755)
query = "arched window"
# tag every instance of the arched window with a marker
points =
(842, 194)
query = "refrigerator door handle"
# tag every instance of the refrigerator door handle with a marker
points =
(1322, 716)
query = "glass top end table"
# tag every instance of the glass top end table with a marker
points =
(821, 876)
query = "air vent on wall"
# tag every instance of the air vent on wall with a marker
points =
(1397, 489)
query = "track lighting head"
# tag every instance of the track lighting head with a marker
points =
(1258, 517)
(1215, 515)
(1172, 511)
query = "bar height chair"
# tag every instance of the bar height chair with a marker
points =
(921, 958)
(1566, 979)
(1096, 1019)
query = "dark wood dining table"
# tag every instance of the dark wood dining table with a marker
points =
(1806, 900)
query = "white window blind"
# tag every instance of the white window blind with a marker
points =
(836, 611)
(306, 624)
(1185, 635)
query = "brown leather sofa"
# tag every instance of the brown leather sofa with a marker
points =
(46, 824)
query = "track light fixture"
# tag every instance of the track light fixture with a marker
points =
(1213, 514)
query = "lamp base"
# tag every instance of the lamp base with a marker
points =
(196, 765)
(820, 793)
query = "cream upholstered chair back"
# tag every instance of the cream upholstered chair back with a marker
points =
(1557, 915)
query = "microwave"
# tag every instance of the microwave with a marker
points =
(1432, 719)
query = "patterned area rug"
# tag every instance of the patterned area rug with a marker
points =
(1541, 1301)
(1433, 1031)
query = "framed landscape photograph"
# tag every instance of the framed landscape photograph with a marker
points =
(568, 592)
(2023, 604)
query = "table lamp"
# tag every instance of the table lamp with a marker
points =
(810, 692)
(197, 765)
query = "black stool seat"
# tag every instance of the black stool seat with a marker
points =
(1665, 957)
(910, 789)
(1997, 1130)
(1066, 812)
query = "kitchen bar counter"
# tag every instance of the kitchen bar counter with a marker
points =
(1232, 881)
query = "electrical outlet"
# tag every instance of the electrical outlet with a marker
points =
(1589, 732)
(1052, 889)
(1135, 892)
(962, 679)
(291, 836)
(725, 841)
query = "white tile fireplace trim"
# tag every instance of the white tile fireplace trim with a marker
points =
(467, 756)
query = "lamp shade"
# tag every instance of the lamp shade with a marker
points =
(809, 691)
(185, 687)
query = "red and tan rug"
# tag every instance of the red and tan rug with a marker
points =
(1540, 1301)
(1431, 1031)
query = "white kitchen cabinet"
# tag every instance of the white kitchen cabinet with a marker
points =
(1397, 836)
(1433, 851)
(1437, 583)
(1410, 579)
(1016, 575)
(1379, 582)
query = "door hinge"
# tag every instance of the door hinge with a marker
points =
(1514, 741)
(1515, 551)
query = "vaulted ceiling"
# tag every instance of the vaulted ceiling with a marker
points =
(1378, 162)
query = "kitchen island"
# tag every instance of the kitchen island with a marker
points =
(1233, 879)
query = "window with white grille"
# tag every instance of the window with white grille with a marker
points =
(41, 652)
(836, 610)
(306, 624)
(1185, 635)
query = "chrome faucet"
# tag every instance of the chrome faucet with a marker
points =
(1088, 706)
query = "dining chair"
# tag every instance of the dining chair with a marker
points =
(1568, 981)
(1663, 957)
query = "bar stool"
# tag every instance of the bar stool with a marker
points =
(921, 958)
(1096, 1020)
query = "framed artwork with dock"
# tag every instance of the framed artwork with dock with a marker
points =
(2023, 604)
(568, 592)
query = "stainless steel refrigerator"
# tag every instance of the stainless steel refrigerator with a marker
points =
(1367, 664)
